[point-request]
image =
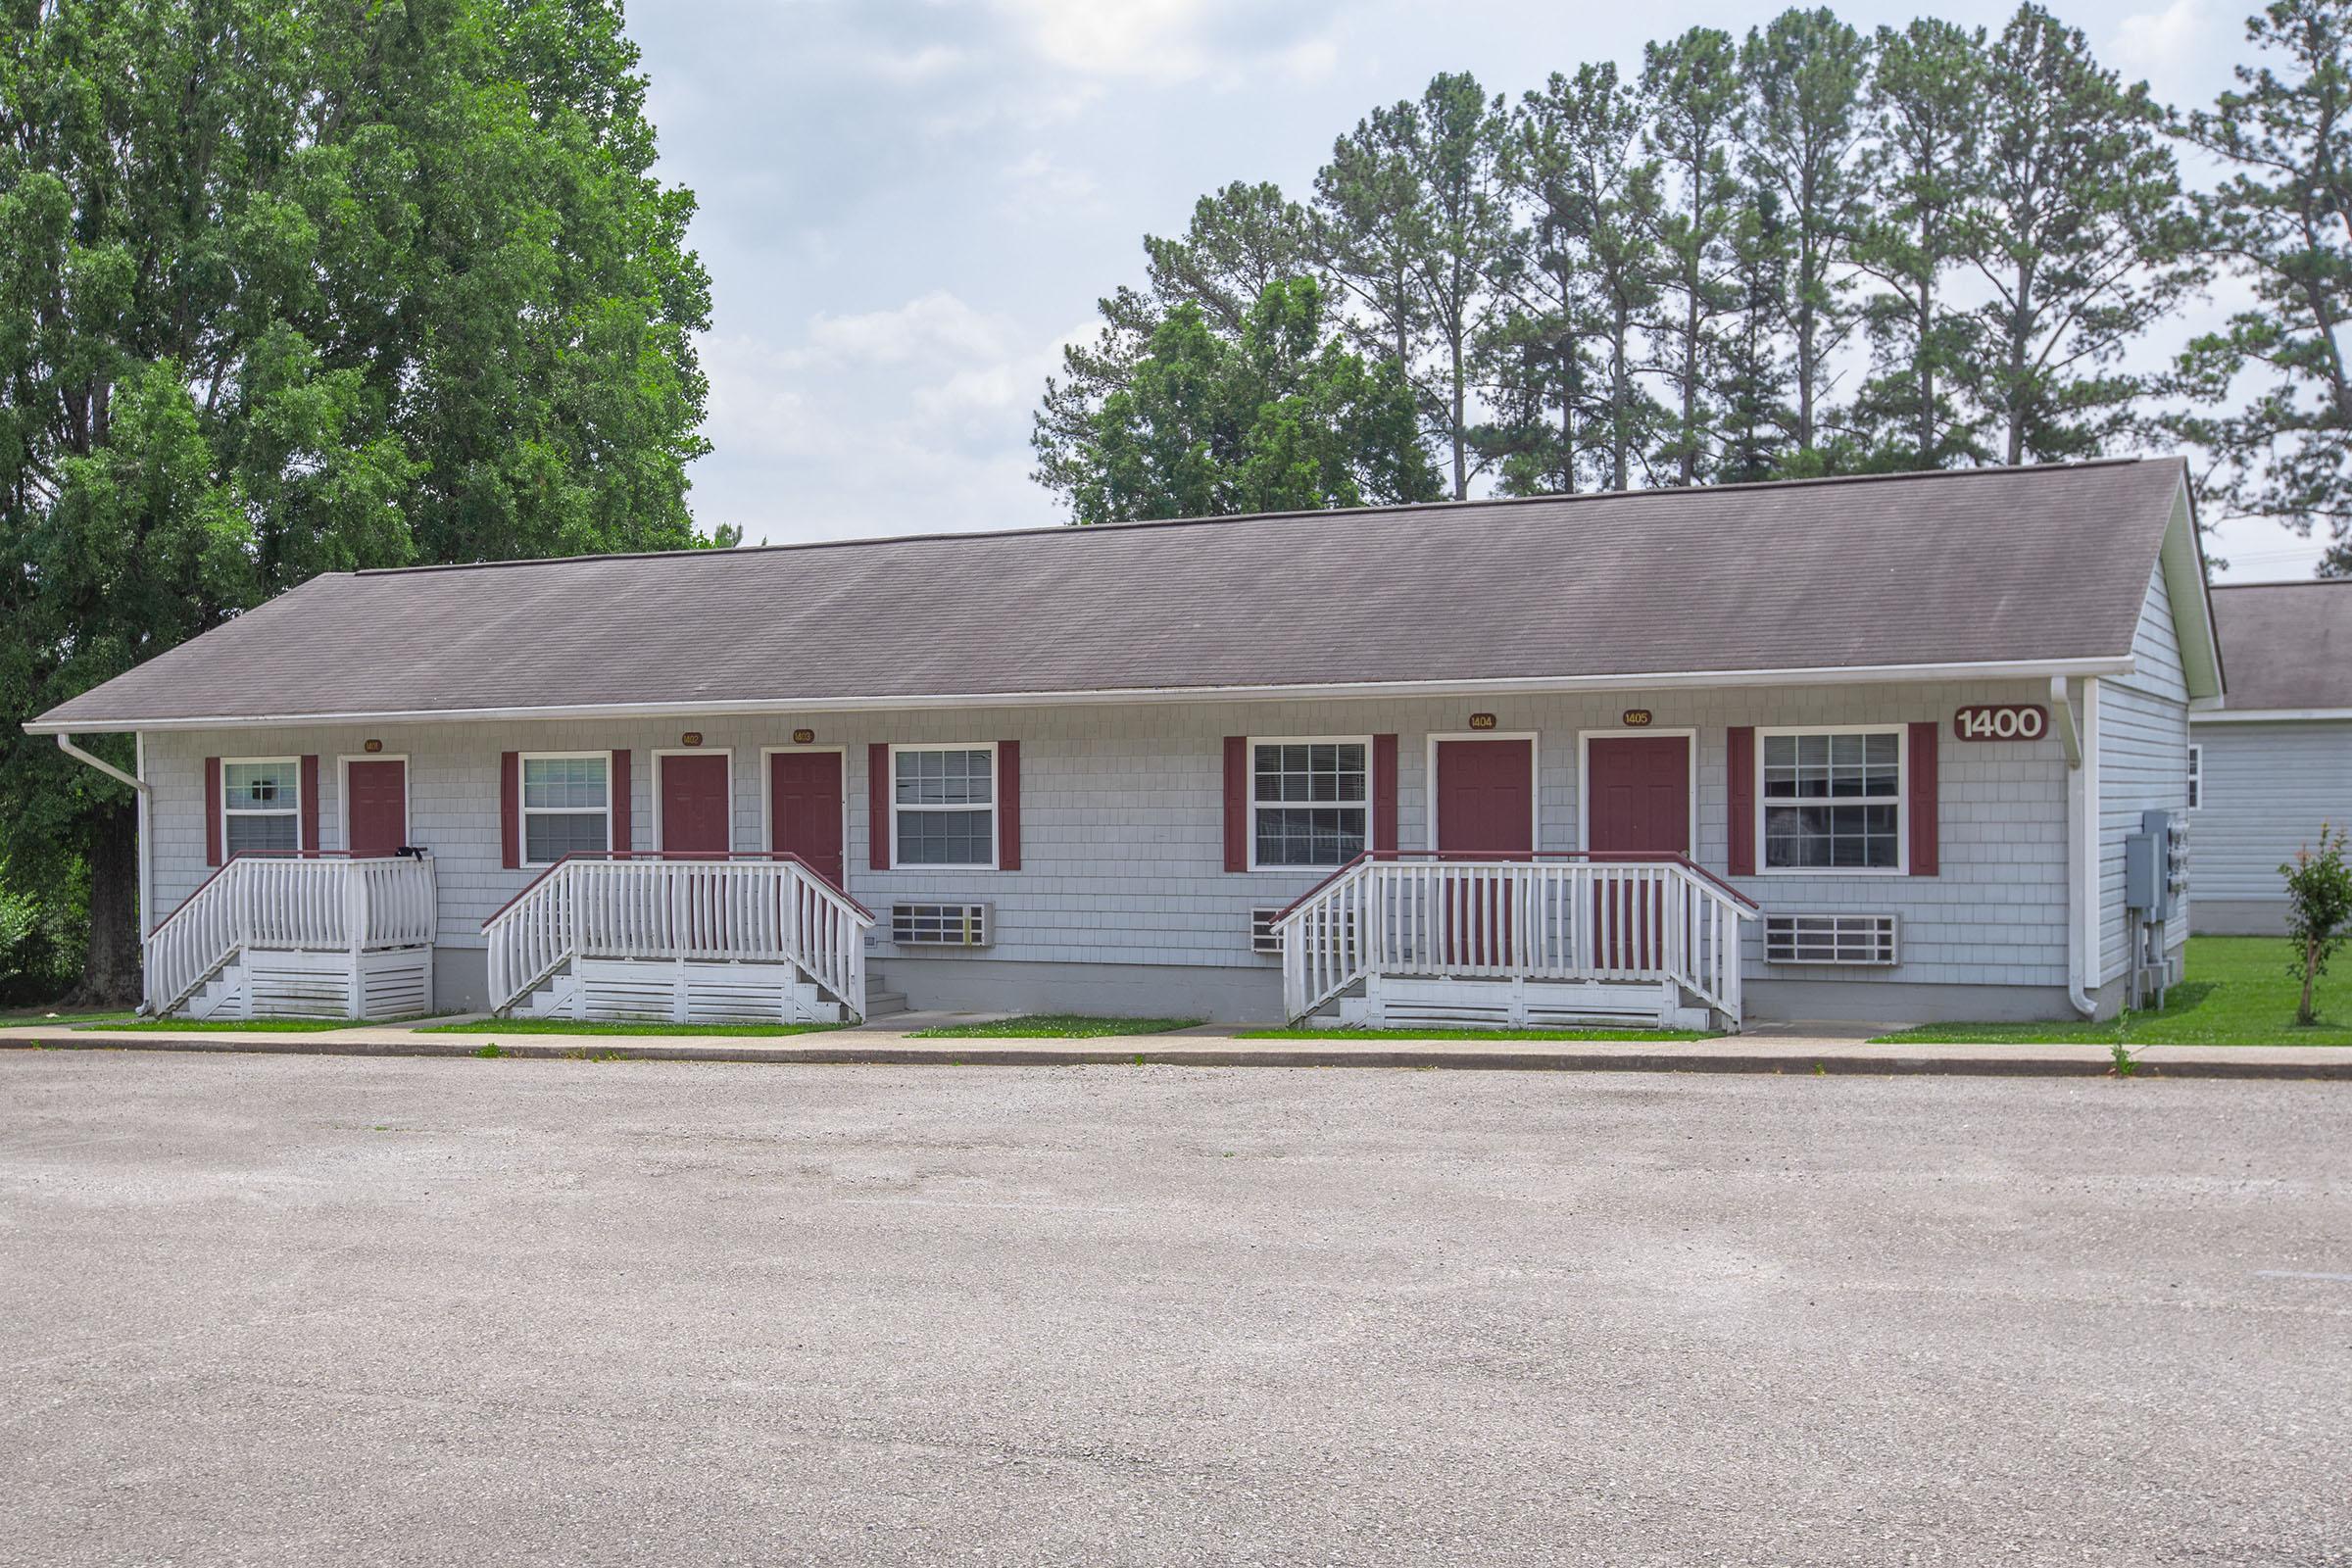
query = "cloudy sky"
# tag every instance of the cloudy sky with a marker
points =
(907, 207)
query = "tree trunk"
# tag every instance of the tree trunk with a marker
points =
(2310, 970)
(110, 970)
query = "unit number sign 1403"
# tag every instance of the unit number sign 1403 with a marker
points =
(2002, 722)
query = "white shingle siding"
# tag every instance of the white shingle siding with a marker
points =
(2143, 765)
(2267, 788)
(1123, 814)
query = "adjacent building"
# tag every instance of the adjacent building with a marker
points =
(2273, 762)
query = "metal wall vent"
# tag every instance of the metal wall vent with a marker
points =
(1830, 939)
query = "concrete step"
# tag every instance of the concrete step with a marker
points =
(880, 1004)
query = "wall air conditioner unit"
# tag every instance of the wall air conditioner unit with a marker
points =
(1843, 939)
(943, 925)
(1261, 932)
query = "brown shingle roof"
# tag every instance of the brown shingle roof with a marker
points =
(2288, 644)
(1975, 566)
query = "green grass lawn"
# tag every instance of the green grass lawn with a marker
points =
(2238, 992)
(1566, 1035)
(38, 1020)
(623, 1026)
(1054, 1026)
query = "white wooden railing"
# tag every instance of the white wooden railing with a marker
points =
(761, 908)
(1552, 918)
(315, 903)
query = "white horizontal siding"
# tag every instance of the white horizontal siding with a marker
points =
(2143, 761)
(1123, 814)
(2267, 788)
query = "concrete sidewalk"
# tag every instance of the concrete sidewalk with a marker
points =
(1779, 1049)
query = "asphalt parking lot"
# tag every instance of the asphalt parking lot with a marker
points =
(288, 1311)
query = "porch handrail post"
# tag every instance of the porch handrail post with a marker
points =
(355, 928)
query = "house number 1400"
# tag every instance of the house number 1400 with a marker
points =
(2002, 722)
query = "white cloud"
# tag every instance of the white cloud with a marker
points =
(2181, 50)
(1177, 40)
(929, 328)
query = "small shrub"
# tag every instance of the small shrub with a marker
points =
(2319, 911)
(2123, 1066)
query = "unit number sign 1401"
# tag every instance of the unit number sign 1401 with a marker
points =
(2002, 722)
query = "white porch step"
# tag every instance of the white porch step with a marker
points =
(668, 990)
(1394, 1002)
(260, 982)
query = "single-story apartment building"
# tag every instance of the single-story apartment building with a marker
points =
(1858, 748)
(2274, 761)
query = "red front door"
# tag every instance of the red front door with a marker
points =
(1640, 805)
(803, 808)
(695, 805)
(1485, 806)
(1487, 796)
(378, 807)
(1641, 788)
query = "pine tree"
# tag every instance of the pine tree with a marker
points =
(1692, 92)
(1806, 76)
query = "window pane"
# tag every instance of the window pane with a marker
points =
(946, 838)
(263, 786)
(273, 834)
(1292, 835)
(1314, 771)
(1837, 836)
(945, 778)
(548, 836)
(564, 782)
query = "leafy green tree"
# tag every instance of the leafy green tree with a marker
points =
(2318, 910)
(1241, 240)
(290, 288)
(1920, 171)
(1693, 91)
(2080, 238)
(1806, 75)
(1414, 224)
(1573, 159)
(2281, 219)
(1284, 418)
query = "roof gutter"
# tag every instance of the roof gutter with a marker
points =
(65, 744)
(144, 793)
(1992, 669)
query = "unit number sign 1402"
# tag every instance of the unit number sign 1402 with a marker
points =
(2002, 722)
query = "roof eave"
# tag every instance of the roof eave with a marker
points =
(1818, 675)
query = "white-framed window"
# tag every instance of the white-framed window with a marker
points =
(261, 806)
(1309, 800)
(1832, 798)
(943, 806)
(2196, 778)
(566, 805)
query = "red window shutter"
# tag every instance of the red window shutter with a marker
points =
(623, 824)
(211, 810)
(1739, 761)
(309, 840)
(1009, 805)
(510, 809)
(1920, 799)
(877, 807)
(1383, 792)
(1237, 802)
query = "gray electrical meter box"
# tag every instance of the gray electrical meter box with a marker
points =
(2156, 865)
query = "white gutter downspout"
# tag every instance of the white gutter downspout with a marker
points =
(2079, 731)
(146, 795)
